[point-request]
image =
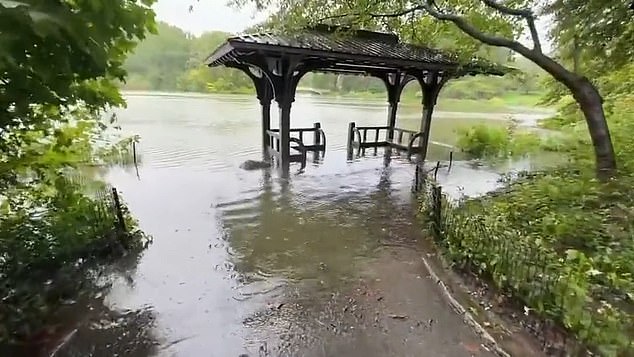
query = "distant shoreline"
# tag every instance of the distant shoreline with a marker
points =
(513, 103)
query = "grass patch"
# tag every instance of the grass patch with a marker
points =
(485, 141)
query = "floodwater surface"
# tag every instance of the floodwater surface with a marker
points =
(325, 262)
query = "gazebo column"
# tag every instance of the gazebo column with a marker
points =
(264, 93)
(391, 118)
(285, 80)
(285, 130)
(266, 125)
(431, 84)
(394, 83)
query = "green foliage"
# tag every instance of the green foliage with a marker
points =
(542, 242)
(560, 241)
(161, 58)
(52, 216)
(480, 87)
(51, 58)
(599, 34)
(484, 141)
(59, 61)
(172, 60)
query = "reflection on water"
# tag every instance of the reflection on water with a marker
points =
(250, 262)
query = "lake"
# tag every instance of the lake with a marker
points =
(325, 262)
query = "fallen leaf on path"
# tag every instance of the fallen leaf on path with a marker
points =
(398, 317)
(471, 347)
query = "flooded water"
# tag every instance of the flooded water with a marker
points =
(325, 262)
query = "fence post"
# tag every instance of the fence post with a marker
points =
(450, 160)
(419, 177)
(119, 210)
(351, 127)
(317, 139)
(134, 153)
(437, 210)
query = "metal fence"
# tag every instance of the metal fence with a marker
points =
(108, 208)
(519, 266)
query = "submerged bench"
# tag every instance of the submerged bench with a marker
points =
(367, 137)
(298, 145)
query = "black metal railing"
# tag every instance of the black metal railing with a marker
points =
(297, 142)
(361, 138)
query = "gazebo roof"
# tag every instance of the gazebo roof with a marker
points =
(358, 51)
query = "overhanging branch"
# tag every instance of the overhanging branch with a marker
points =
(400, 13)
(430, 7)
(472, 31)
(507, 10)
(525, 13)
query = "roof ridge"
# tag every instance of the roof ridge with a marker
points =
(359, 33)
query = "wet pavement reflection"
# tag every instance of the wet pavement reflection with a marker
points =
(322, 263)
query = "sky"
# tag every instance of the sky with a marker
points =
(207, 15)
(216, 15)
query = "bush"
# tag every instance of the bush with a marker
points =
(550, 243)
(560, 241)
(53, 219)
(483, 141)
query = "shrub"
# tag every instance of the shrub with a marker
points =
(483, 141)
(549, 243)
(560, 241)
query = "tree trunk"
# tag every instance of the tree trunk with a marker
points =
(591, 104)
(576, 56)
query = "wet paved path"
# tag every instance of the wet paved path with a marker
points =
(325, 263)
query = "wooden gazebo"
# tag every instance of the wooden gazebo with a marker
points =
(276, 63)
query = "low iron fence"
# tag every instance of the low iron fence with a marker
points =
(556, 287)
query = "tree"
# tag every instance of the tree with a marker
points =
(489, 22)
(173, 60)
(59, 63)
(161, 58)
(59, 53)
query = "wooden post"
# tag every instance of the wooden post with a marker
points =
(394, 83)
(391, 119)
(285, 78)
(425, 127)
(351, 127)
(118, 211)
(285, 133)
(417, 178)
(437, 211)
(317, 139)
(436, 170)
(431, 85)
(266, 125)
(450, 160)
(134, 152)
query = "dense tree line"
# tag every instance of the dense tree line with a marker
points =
(172, 60)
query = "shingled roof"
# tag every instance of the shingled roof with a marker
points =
(339, 50)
